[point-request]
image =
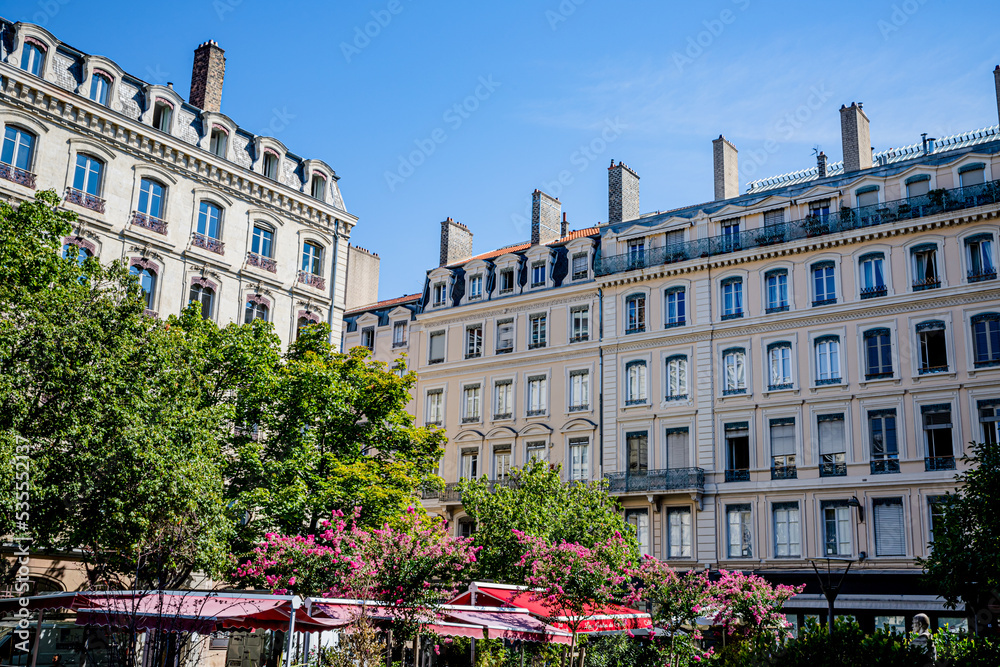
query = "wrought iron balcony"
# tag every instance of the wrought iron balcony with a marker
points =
(312, 280)
(784, 472)
(930, 370)
(832, 469)
(261, 262)
(81, 198)
(17, 175)
(399, 343)
(939, 463)
(926, 283)
(208, 243)
(668, 479)
(981, 275)
(148, 222)
(885, 466)
(939, 201)
(873, 292)
(737, 475)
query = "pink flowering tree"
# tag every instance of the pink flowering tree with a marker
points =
(747, 606)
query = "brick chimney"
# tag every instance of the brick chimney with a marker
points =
(456, 242)
(856, 138)
(206, 76)
(623, 193)
(821, 164)
(727, 177)
(996, 82)
(564, 228)
(545, 211)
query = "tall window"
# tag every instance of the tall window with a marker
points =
(732, 298)
(635, 313)
(679, 534)
(734, 371)
(87, 177)
(440, 293)
(263, 240)
(257, 311)
(505, 336)
(832, 445)
(318, 187)
(538, 274)
(637, 252)
(536, 331)
(986, 339)
(270, 165)
(503, 403)
(740, 531)
(937, 436)
(162, 114)
(79, 252)
(925, 272)
(471, 402)
(100, 87)
(678, 447)
(889, 527)
(872, 269)
(730, 234)
(639, 520)
(368, 338)
(476, 287)
(783, 449)
(989, 420)
(779, 360)
(580, 268)
(536, 450)
(777, 291)
(506, 281)
(209, 219)
(677, 378)
(205, 296)
(473, 341)
(32, 59)
(17, 148)
(579, 390)
(579, 324)
(635, 379)
(637, 452)
(435, 407)
(399, 330)
(151, 198)
(787, 536)
(470, 464)
(836, 528)
(218, 142)
(737, 452)
(824, 283)
(537, 395)
(933, 348)
(312, 258)
(979, 254)
(820, 209)
(884, 446)
(147, 280)
(674, 307)
(878, 354)
(435, 353)
(579, 461)
(827, 360)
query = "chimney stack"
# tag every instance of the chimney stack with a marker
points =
(996, 81)
(821, 164)
(623, 193)
(456, 242)
(206, 76)
(545, 211)
(564, 228)
(856, 138)
(727, 177)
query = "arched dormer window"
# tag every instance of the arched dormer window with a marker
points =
(219, 141)
(270, 164)
(163, 112)
(33, 57)
(318, 187)
(100, 87)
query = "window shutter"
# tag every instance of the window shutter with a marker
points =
(831, 434)
(437, 346)
(505, 335)
(579, 264)
(675, 237)
(782, 437)
(889, 527)
(774, 217)
(678, 452)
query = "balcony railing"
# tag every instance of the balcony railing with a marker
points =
(261, 262)
(874, 291)
(17, 175)
(846, 219)
(312, 280)
(980, 276)
(668, 479)
(399, 343)
(149, 222)
(885, 466)
(737, 475)
(208, 243)
(81, 198)
(939, 463)
(784, 472)
(926, 283)
(832, 469)
(452, 494)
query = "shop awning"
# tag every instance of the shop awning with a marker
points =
(507, 623)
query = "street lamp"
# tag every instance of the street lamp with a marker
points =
(829, 588)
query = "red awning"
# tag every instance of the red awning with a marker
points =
(515, 624)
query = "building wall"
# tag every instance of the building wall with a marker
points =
(362, 277)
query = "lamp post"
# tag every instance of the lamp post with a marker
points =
(830, 589)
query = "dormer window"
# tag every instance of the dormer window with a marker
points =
(917, 186)
(32, 59)
(439, 294)
(100, 87)
(506, 281)
(271, 166)
(162, 113)
(219, 142)
(318, 187)
(538, 274)
(580, 266)
(476, 286)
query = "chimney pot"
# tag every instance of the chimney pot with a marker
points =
(564, 227)
(623, 193)
(856, 138)
(821, 164)
(207, 75)
(725, 162)
(545, 213)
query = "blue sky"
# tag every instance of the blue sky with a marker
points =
(548, 89)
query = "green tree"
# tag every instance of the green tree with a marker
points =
(538, 503)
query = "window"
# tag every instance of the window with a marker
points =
(368, 338)
(820, 209)
(32, 59)
(878, 354)
(435, 354)
(312, 258)
(435, 407)
(579, 390)
(935, 508)
(538, 274)
(836, 528)
(476, 287)
(147, 280)
(925, 274)
(678, 448)
(100, 86)
(439, 294)
(506, 281)
(735, 372)
(579, 324)
(635, 313)
(637, 452)
(474, 341)
(471, 401)
(827, 360)
(580, 268)
(205, 296)
(884, 448)
(635, 382)
(209, 217)
(536, 325)
(399, 330)
(470, 464)
(637, 252)
(639, 520)
(579, 463)
(218, 142)
(537, 398)
(786, 530)
(917, 186)
(783, 449)
(986, 339)
(162, 113)
(777, 291)
(872, 275)
(674, 307)
(255, 310)
(503, 399)
(673, 238)
(937, 436)
(824, 283)
(732, 298)
(779, 360)
(989, 420)
(536, 451)
(889, 540)
(739, 530)
(79, 252)
(270, 166)
(979, 254)
(87, 177)
(263, 240)
(893, 624)
(730, 234)
(318, 187)
(505, 336)
(933, 350)
(679, 535)
(17, 148)
(832, 445)
(466, 527)
(775, 217)
(972, 174)
(151, 198)
(737, 452)
(867, 196)
(677, 378)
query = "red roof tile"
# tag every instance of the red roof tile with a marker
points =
(384, 304)
(579, 233)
